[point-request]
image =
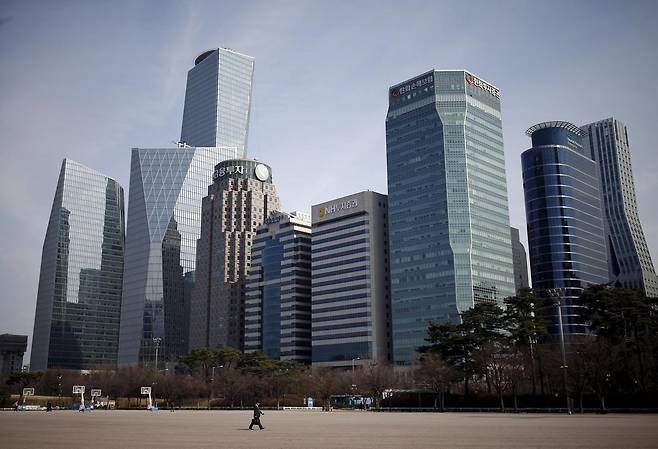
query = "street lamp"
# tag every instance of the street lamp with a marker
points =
(358, 358)
(556, 294)
(212, 383)
(59, 390)
(156, 342)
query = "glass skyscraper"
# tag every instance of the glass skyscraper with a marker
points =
(79, 298)
(164, 213)
(217, 100)
(520, 262)
(629, 261)
(564, 217)
(448, 214)
(164, 224)
(278, 298)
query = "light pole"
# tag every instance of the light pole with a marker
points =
(212, 383)
(358, 358)
(556, 295)
(59, 390)
(156, 342)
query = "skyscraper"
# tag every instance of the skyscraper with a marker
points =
(164, 215)
(448, 215)
(350, 282)
(218, 99)
(629, 261)
(520, 262)
(240, 198)
(164, 224)
(564, 217)
(76, 325)
(278, 299)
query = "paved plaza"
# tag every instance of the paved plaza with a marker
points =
(309, 430)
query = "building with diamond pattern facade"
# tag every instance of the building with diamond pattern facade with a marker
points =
(164, 211)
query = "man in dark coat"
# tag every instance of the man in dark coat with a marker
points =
(256, 418)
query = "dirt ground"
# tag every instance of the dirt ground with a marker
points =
(310, 430)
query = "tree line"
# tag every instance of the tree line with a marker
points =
(494, 357)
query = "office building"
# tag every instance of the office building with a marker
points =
(564, 217)
(350, 282)
(447, 194)
(164, 224)
(278, 298)
(629, 261)
(218, 99)
(238, 201)
(76, 325)
(520, 262)
(164, 213)
(12, 349)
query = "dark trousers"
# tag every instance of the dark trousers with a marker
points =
(255, 421)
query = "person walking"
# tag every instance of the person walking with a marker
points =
(256, 419)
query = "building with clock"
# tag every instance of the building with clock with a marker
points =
(241, 196)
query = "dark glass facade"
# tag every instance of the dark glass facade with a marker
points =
(79, 298)
(278, 300)
(272, 256)
(564, 217)
(448, 216)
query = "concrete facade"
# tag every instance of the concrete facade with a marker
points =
(240, 198)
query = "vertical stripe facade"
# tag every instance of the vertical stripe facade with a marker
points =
(278, 292)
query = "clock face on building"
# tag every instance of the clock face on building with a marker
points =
(262, 172)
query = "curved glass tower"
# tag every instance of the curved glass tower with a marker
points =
(629, 261)
(564, 216)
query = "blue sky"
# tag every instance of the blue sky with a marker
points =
(90, 80)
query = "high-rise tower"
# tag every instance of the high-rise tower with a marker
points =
(351, 300)
(564, 217)
(79, 298)
(447, 194)
(240, 198)
(218, 99)
(164, 213)
(629, 261)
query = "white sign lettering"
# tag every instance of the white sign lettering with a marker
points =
(396, 92)
(477, 82)
(231, 169)
(337, 207)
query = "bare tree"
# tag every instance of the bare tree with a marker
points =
(437, 374)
